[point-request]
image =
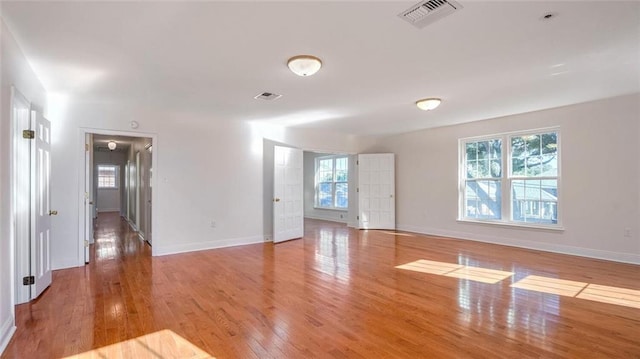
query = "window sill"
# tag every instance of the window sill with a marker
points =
(331, 209)
(556, 228)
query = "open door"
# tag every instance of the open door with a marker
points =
(89, 193)
(288, 215)
(376, 191)
(41, 240)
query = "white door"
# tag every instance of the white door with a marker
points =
(138, 221)
(376, 191)
(89, 204)
(148, 235)
(288, 215)
(41, 241)
(22, 186)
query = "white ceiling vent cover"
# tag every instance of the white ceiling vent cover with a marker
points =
(427, 12)
(268, 96)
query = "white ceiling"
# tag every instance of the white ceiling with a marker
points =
(490, 59)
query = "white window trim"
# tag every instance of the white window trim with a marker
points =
(506, 179)
(333, 189)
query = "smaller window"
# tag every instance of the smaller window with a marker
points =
(331, 180)
(108, 176)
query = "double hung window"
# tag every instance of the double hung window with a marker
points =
(511, 178)
(107, 176)
(331, 182)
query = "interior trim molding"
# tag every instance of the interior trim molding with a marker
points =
(337, 220)
(6, 332)
(200, 246)
(631, 258)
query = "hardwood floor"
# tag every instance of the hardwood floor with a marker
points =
(334, 294)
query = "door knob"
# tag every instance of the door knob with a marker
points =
(276, 199)
(53, 213)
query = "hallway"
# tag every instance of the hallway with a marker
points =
(336, 293)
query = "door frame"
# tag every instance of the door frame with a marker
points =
(82, 131)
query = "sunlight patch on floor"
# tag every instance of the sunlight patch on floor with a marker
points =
(483, 275)
(430, 267)
(611, 295)
(477, 274)
(161, 344)
(567, 288)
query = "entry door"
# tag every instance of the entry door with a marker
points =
(376, 191)
(41, 241)
(288, 215)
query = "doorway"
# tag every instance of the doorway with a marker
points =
(117, 181)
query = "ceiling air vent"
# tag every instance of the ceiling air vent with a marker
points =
(268, 96)
(427, 12)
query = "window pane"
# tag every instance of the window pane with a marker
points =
(325, 165)
(342, 195)
(534, 201)
(325, 191)
(535, 155)
(483, 199)
(483, 159)
(471, 151)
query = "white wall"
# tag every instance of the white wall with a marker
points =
(600, 176)
(15, 71)
(310, 211)
(205, 169)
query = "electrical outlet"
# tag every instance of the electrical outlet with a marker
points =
(213, 224)
(627, 232)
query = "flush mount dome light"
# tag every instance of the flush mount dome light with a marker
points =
(428, 104)
(304, 65)
(112, 145)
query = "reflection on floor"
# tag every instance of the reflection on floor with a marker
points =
(161, 344)
(563, 287)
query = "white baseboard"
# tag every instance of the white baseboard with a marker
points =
(68, 262)
(103, 210)
(353, 224)
(6, 332)
(132, 225)
(200, 246)
(337, 220)
(546, 247)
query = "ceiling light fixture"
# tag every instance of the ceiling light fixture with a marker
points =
(428, 104)
(304, 65)
(112, 145)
